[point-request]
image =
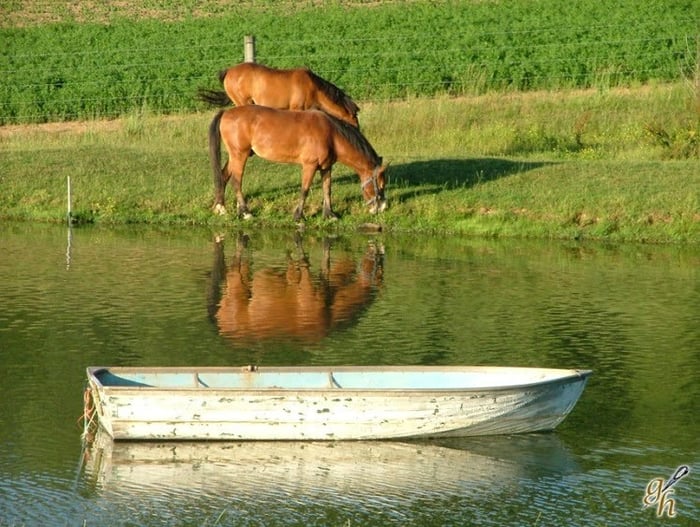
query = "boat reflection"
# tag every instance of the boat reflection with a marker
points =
(254, 300)
(352, 469)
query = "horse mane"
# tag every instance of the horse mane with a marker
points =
(337, 95)
(355, 138)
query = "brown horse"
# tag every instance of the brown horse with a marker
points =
(312, 139)
(251, 301)
(294, 89)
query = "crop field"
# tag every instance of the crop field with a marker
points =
(71, 61)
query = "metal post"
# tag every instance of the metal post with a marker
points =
(69, 218)
(70, 211)
(249, 48)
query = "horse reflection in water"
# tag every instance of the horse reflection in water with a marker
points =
(291, 302)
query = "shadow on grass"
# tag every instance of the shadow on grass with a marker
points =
(410, 180)
(436, 175)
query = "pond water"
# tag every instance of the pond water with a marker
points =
(158, 297)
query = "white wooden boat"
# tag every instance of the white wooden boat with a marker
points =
(329, 403)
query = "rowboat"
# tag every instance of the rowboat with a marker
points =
(328, 403)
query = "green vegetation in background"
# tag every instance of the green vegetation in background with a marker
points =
(66, 66)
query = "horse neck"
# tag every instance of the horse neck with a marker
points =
(331, 107)
(351, 156)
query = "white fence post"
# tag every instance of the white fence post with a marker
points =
(249, 48)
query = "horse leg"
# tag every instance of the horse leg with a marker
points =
(327, 208)
(220, 191)
(236, 166)
(307, 176)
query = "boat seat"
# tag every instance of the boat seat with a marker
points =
(333, 381)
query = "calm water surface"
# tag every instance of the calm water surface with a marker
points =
(148, 297)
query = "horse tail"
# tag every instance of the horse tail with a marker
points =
(214, 97)
(215, 151)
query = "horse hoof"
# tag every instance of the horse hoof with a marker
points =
(219, 209)
(247, 216)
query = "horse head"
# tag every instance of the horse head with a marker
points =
(351, 117)
(373, 189)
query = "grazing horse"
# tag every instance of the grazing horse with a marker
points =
(253, 301)
(294, 89)
(312, 139)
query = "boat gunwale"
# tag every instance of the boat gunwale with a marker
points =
(567, 375)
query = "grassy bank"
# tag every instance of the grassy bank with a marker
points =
(603, 164)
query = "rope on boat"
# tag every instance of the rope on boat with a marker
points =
(89, 417)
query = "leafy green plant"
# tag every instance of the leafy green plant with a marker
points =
(680, 143)
(95, 62)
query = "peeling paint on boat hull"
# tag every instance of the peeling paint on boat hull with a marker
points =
(333, 413)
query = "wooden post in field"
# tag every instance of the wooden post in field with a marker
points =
(249, 48)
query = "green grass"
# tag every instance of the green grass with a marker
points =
(106, 59)
(523, 118)
(576, 164)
